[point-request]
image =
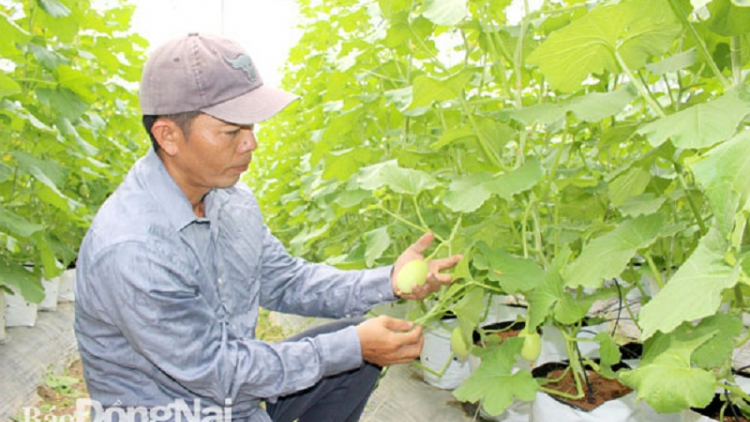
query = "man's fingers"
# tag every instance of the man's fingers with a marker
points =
(423, 243)
(446, 263)
(395, 324)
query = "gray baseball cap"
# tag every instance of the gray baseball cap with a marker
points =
(209, 74)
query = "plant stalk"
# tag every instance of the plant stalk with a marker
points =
(635, 80)
(702, 49)
(736, 48)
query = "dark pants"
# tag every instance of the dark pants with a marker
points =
(339, 398)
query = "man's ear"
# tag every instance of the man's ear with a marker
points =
(167, 135)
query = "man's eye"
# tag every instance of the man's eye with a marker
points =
(233, 133)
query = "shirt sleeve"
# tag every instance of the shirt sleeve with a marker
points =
(166, 319)
(293, 285)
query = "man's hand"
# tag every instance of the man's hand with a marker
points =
(434, 278)
(387, 341)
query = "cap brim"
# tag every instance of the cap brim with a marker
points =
(258, 105)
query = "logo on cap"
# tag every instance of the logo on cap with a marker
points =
(245, 64)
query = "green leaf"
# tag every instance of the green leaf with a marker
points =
(17, 225)
(607, 256)
(49, 59)
(519, 180)
(428, 90)
(376, 242)
(514, 274)
(21, 281)
(723, 175)
(6, 172)
(702, 125)
(8, 86)
(636, 29)
(446, 12)
(400, 180)
(54, 8)
(390, 7)
(632, 182)
(694, 291)
(674, 63)
(729, 18)
(544, 113)
(63, 101)
(454, 135)
(45, 171)
(77, 82)
(644, 204)
(670, 384)
(717, 351)
(12, 35)
(351, 198)
(597, 106)
(469, 310)
(609, 354)
(497, 369)
(468, 193)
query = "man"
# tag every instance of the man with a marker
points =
(178, 260)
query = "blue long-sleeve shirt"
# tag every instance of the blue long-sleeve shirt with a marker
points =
(167, 303)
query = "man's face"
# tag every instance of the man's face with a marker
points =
(215, 154)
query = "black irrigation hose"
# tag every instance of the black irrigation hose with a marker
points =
(589, 387)
(731, 406)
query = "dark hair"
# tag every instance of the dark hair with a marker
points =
(183, 121)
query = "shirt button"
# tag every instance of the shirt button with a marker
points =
(220, 280)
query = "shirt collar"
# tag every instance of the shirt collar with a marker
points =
(166, 192)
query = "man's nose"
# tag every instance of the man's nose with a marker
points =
(247, 142)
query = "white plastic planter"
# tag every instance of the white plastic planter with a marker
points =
(67, 283)
(51, 292)
(444, 371)
(625, 409)
(19, 312)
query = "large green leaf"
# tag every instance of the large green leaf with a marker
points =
(728, 18)
(497, 369)
(702, 125)
(514, 274)
(376, 242)
(17, 225)
(428, 90)
(636, 29)
(468, 193)
(669, 383)
(591, 107)
(674, 63)
(48, 172)
(21, 281)
(694, 292)
(401, 180)
(607, 256)
(63, 101)
(519, 180)
(12, 35)
(446, 12)
(723, 175)
(8, 86)
(49, 59)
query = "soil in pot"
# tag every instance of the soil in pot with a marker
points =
(602, 389)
